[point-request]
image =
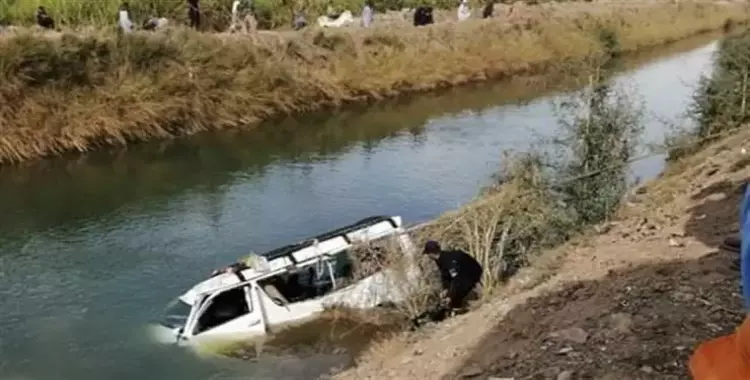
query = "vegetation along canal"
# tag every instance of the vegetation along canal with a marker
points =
(92, 248)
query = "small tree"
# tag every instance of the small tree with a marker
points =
(721, 100)
(600, 130)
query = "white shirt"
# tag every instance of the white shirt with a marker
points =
(463, 11)
(367, 16)
(125, 23)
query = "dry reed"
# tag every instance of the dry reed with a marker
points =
(80, 91)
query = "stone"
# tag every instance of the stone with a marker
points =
(715, 197)
(470, 372)
(674, 243)
(621, 323)
(573, 334)
(682, 296)
(565, 375)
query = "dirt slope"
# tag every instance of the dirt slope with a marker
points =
(628, 303)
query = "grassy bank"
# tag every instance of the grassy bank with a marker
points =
(641, 289)
(77, 92)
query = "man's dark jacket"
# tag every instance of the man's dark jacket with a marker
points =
(458, 266)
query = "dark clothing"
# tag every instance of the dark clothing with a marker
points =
(455, 265)
(489, 9)
(459, 290)
(423, 16)
(44, 20)
(732, 243)
(299, 21)
(459, 274)
(194, 13)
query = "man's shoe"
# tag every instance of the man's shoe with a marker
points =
(732, 243)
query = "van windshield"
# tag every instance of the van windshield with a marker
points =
(176, 314)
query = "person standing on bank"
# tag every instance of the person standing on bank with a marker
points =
(489, 9)
(194, 13)
(459, 273)
(43, 19)
(464, 12)
(367, 14)
(126, 26)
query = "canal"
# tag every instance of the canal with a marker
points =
(92, 247)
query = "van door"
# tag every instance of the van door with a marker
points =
(228, 313)
(318, 281)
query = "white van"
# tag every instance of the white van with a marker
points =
(291, 284)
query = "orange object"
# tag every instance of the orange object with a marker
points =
(724, 358)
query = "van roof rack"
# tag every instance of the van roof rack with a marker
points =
(287, 250)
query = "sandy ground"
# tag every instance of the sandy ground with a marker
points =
(629, 302)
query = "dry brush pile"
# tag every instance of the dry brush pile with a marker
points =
(77, 92)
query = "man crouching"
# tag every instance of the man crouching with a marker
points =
(459, 273)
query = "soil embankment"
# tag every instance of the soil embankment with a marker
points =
(629, 302)
(77, 92)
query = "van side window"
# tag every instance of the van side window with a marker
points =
(343, 266)
(306, 283)
(225, 307)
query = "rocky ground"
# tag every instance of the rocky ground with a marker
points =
(629, 302)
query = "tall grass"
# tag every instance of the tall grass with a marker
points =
(77, 92)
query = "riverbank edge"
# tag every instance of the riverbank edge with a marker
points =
(651, 228)
(76, 93)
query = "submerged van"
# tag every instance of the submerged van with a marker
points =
(292, 284)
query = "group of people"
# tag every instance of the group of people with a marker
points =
(126, 25)
(244, 16)
(423, 14)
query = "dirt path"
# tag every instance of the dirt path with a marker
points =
(629, 303)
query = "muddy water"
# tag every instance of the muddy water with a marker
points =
(92, 247)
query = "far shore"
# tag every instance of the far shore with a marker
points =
(94, 89)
